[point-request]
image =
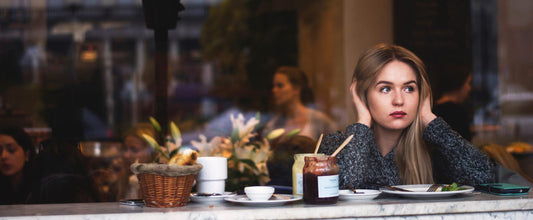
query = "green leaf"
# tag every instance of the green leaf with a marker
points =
(249, 162)
(275, 133)
(156, 125)
(151, 141)
(235, 135)
(452, 187)
(293, 133)
(173, 153)
(158, 149)
(258, 117)
(175, 131)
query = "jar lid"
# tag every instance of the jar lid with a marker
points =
(302, 155)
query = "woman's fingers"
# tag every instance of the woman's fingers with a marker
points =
(363, 115)
(426, 113)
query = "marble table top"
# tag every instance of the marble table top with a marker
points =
(382, 206)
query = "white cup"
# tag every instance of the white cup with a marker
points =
(212, 177)
(259, 193)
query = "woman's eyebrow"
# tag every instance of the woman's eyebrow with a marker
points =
(390, 83)
(412, 81)
(383, 82)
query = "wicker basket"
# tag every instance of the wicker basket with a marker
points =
(165, 186)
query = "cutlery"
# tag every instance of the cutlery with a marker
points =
(208, 194)
(349, 186)
(434, 187)
(397, 188)
(281, 197)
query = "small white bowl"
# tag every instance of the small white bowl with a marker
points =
(259, 193)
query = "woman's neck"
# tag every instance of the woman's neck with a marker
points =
(16, 180)
(386, 139)
(295, 116)
(294, 109)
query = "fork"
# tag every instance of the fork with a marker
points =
(433, 187)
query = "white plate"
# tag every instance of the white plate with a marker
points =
(362, 194)
(274, 201)
(419, 191)
(210, 199)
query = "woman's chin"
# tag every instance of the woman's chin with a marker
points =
(396, 126)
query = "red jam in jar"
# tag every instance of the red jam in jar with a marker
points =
(320, 180)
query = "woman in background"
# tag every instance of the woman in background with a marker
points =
(136, 149)
(454, 85)
(291, 92)
(16, 153)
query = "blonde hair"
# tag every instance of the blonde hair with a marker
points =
(138, 130)
(411, 153)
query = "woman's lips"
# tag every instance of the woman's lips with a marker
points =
(398, 114)
(5, 167)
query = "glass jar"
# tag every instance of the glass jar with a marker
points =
(297, 170)
(320, 180)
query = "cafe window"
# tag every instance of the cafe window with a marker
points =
(85, 71)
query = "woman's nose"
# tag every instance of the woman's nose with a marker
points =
(3, 154)
(397, 99)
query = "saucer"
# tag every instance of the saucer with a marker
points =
(277, 200)
(362, 194)
(211, 198)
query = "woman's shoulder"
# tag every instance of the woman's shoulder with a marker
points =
(320, 118)
(316, 114)
(438, 124)
(349, 130)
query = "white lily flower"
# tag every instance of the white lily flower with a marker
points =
(245, 130)
(211, 148)
(170, 146)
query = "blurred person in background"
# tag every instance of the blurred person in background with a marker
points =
(291, 93)
(280, 162)
(136, 149)
(61, 173)
(454, 85)
(16, 154)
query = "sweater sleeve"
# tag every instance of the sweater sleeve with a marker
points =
(360, 162)
(454, 158)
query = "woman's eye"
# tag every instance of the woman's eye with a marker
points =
(409, 89)
(12, 149)
(385, 89)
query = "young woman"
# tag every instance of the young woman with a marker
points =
(135, 149)
(397, 139)
(291, 92)
(16, 153)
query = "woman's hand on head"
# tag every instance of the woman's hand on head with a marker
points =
(363, 114)
(426, 113)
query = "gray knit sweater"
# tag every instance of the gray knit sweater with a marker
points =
(362, 165)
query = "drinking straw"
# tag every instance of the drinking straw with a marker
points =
(318, 144)
(342, 145)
